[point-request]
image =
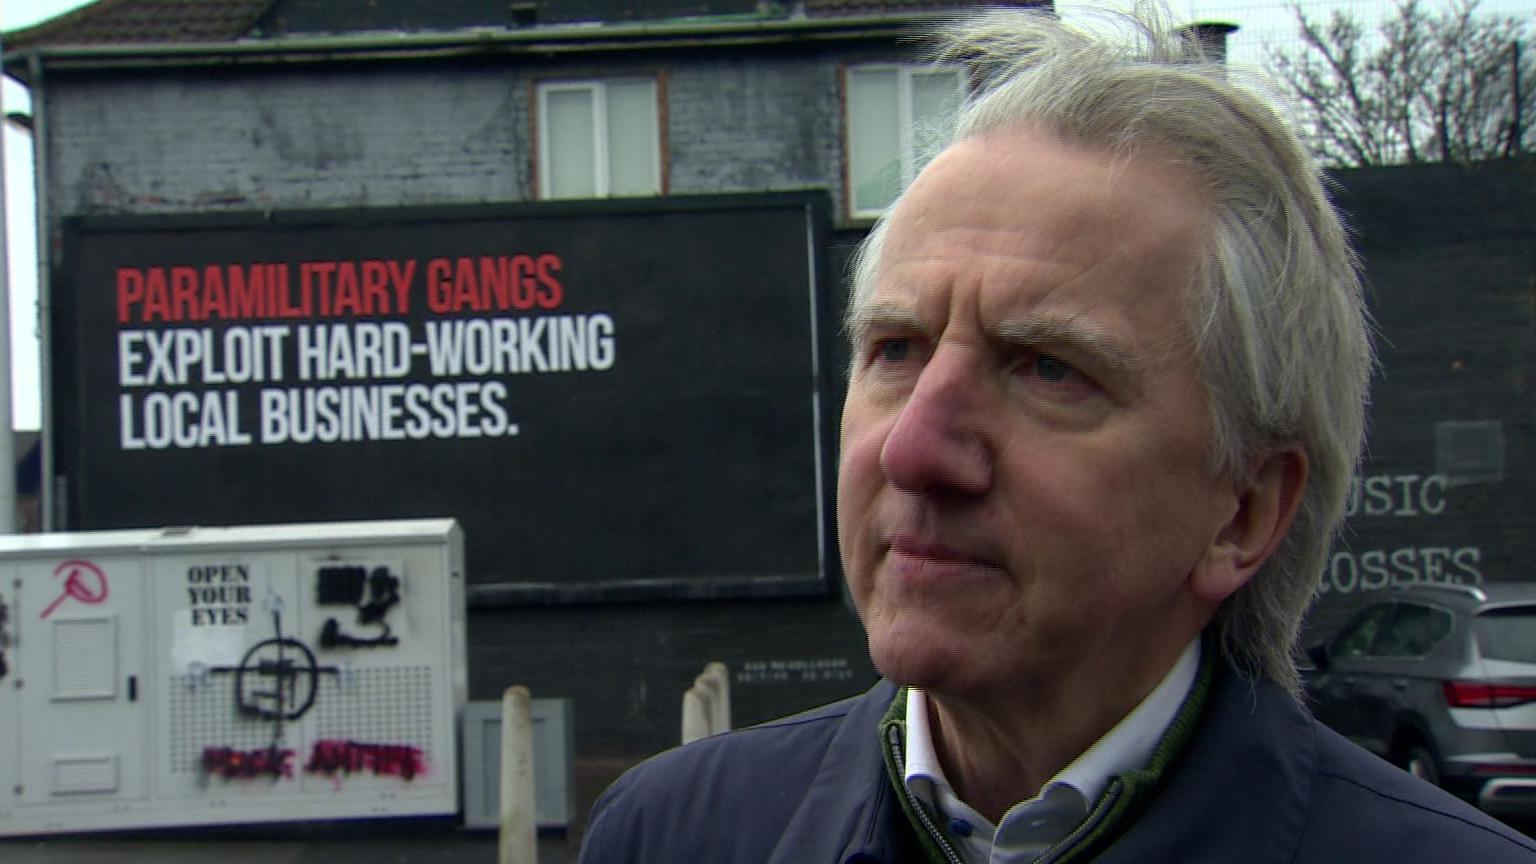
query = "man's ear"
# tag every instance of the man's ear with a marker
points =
(1265, 506)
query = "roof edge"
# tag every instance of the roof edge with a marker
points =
(553, 39)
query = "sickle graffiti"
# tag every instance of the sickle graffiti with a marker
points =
(85, 583)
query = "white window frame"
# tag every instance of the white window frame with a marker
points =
(600, 156)
(906, 149)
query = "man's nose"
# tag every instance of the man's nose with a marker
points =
(937, 442)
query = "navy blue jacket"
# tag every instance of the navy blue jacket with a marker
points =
(1261, 782)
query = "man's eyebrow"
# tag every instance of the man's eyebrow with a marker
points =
(1070, 335)
(1080, 341)
(883, 316)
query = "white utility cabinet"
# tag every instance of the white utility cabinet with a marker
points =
(186, 676)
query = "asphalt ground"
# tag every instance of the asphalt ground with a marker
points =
(404, 842)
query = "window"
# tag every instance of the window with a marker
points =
(1356, 637)
(599, 139)
(1507, 634)
(1414, 632)
(898, 119)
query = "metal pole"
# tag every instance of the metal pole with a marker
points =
(51, 490)
(7, 434)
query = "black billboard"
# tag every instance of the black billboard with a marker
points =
(614, 398)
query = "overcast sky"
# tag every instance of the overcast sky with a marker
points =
(1261, 23)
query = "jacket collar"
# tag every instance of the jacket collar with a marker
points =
(1122, 796)
(1242, 789)
(1243, 774)
(850, 808)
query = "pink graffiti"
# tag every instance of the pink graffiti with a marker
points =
(230, 763)
(85, 583)
(353, 757)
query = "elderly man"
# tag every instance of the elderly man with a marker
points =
(1109, 368)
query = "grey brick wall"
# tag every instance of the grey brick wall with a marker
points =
(625, 667)
(391, 134)
(750, 125)
(350, 137)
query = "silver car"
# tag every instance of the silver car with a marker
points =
(1440, 680)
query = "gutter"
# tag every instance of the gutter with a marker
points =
(556, 40)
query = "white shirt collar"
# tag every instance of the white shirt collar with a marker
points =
(1125, 747)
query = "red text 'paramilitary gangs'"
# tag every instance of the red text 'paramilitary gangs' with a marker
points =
(327, 289)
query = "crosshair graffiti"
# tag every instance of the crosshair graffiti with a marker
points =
(278, 678)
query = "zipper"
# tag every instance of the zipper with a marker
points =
(893, 737)
(1086, 827)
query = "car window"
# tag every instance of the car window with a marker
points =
(1507, 634)
(1356, 637)
(1413, 631)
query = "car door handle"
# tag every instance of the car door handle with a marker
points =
(1400, 683)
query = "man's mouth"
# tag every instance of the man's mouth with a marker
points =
(913, 546)
(918, 560)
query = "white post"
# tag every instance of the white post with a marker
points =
(695, 714)
(707, 704)
(718, 679)
(519, 842)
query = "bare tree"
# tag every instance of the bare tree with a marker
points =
(1450, 86)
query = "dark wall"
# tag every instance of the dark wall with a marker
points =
(625, 667)
(1446, 490)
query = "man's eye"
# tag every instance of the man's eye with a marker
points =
(894, 350)
(1050, 368)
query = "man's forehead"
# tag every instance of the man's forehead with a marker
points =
(1040, 241)
(986, 190)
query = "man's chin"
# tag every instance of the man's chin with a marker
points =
(936, 664)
